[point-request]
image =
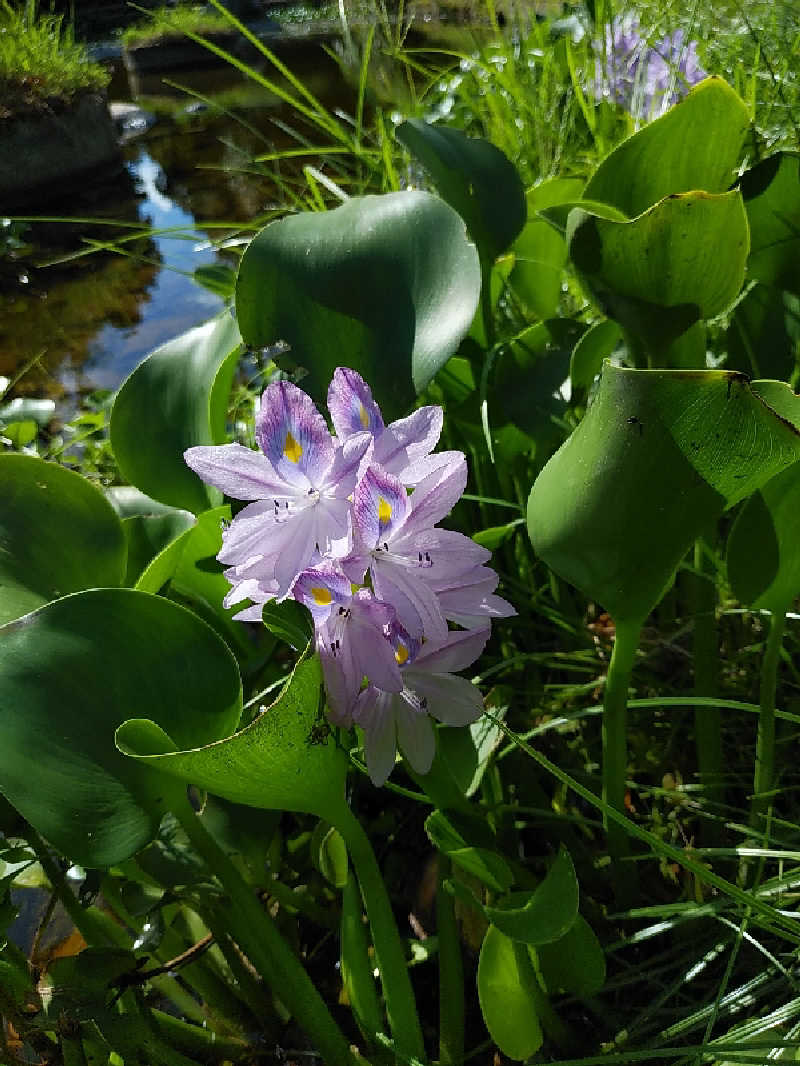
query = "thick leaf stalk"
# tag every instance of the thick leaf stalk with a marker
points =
(763, 779)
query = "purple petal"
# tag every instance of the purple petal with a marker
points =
(341, 478)
(408, 441)
(322, 589)
(435, 497)
(373, 712)
(443, 557)
(293, 435)
(351, 405)
(458, 651)
(239, 472)
(380, 506)
(415, 736)
(452, 700)
(415, 602)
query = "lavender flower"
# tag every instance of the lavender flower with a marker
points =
(331, 522)
(646, 79)
(300, 488)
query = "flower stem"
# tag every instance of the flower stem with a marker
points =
(256, 933)
(615, 750)
(707, 720)
(451, 974)
(398, 993)
(763, 779)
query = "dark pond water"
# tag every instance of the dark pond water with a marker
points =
(79, 322)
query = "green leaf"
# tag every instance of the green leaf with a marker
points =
(763, 560)
(545, 914)
(659, 455)
(680, 262)
(540, 252)
(129, 502)
(168, 404)
(771, 192)
(329, 854)
(58, 534)
(466, 752)
(592, 349)
(284, 760)
(70, 673)
(218, 278)
(493, 536)
(576, 963)
(154, 547)
(468, 842)
(696, 145)
(475, 178)
(387, 285)
(763, 335)
(507, 1005)
(289, 621)
(19, 434)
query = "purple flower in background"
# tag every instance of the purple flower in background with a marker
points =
(403, 447)
(300, 487)
(646, 79)
(430, 689)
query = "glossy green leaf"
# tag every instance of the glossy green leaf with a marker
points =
(763, 560)
(695, 145)
(493, 536)
(284, 760)
(218, 278)
(289, 621)
(466, 752)
(545, 914)
(329, 854)
(659, 455)
(475, 178)
(591, 351)
(387, 285)
(508, 1008)
(576, 963)
(58, 534)
(763, 336)
(540, 251)
(357, 966)
(771, 192)
(680, 262)
(128, 502)
(70, 673)
(154, 547)
(171, 402)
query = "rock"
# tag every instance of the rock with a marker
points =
(42, 155)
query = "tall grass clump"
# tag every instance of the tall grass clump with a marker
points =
(41, 63)
(174, 22)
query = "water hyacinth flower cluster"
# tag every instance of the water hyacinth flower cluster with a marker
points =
(646, 79)
(349, 526)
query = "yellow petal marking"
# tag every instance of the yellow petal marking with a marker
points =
(363, 416)
(384, 511)
(291, 449)
(321, 595)
(401, 655)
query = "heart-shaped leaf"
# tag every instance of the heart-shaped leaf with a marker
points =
(285, 759)
(58, 534)
(763, 560)
(680, 262)
(544, 915)
(176, 398)
(387, 285)
(507, 1005)
(696, 145)
(575, 963)
(771, 192)
(659, 455)
(154, 547)
(475, 178)
(70, 673)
